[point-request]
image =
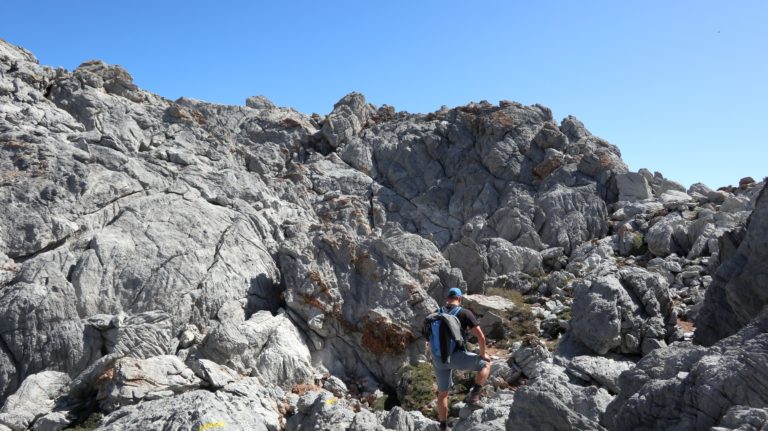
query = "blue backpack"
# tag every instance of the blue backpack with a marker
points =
(443, 330)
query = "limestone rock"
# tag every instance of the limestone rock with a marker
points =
(371, 314)
(628, 312)
(601, 370)
(259, 102)
(743, 418)
(491, 311)
(531, 358)
(36, 397)
(399, 419)
(263, 247)
(668, 235)
(506, 258)
(349, 116)
(633, 187)
(321, 410)
(216, 375)
(737, 294)
(493, 415)
(552, 402)
(696, 386)
(264, 345)
(570, 216)
(244, 406)
(134, 380)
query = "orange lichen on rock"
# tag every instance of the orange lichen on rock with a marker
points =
(382, 336)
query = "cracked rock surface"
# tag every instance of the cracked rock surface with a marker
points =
(187, 265)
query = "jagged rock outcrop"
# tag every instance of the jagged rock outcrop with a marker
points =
(266, 346)
(706, 387)
(629, 312)
(696, 386)
(738, 292)
(181, 264)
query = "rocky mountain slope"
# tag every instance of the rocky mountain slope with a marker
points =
(185, 265)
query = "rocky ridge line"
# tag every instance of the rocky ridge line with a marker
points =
(275, 267)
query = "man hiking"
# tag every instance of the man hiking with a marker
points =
(460, 359)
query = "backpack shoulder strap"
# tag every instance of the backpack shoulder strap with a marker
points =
(455, 311)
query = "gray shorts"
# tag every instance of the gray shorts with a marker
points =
(459, 360)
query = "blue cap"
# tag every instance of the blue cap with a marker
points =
(454, 291)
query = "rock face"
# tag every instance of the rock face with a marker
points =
(186, 265)
(132, 381)
(552, 402)
(696, 386)
(245, 405)
(738, 292)
(706, 387)
(629, 312)
(266, 346)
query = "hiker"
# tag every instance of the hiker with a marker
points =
(460, 359)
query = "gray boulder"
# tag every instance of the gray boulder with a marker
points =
(599, 370)
(629, 210)
(321, 410)
(505, 258)
(134, 380)
(266, 346)
(552, 402)
(532, 358)
(492, 416)
(140, 336)
(491, 311)
(215, 375)
(364, 321)
(247, 405)
(743, 419)
(259, 102)
(472, 259)
(399, 419)
(570, 216)
(37, 396)
(668, 235)
(629, 312)
(675, 198)
(349, 116)
(633, 187)
(659, 184)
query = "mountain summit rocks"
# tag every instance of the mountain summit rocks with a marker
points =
(182, 264)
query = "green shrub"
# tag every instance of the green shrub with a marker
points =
(637, 241)
(566, 314)
(521, 322)
(510, 294)
(380, 404)
(417, 386)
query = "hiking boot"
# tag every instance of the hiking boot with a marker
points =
(474, 395)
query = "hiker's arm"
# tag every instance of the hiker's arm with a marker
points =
(478, 331)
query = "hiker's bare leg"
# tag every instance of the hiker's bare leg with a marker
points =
(442, 406)
(482, 375)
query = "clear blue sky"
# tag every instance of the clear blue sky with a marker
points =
(679, 86)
